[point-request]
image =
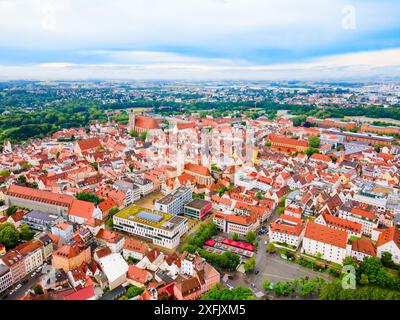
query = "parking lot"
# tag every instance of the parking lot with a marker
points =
(271, 267)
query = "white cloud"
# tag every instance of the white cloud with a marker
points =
(159, 65)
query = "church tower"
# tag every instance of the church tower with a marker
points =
(132, 119)
(180, 161)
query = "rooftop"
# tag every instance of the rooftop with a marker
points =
(197, 203)
(156, 219)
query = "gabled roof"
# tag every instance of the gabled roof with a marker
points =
(146, 122)
(321, 233)
(389, 234)
(364, 245)
(88, 144)
(198, 169)
(82, 294)
(82, 209)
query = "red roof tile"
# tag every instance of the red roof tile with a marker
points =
(326, 234)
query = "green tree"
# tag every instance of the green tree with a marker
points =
(11, 210)
(25, 232)
(113, 211)
(22, 179)
(234, 236)
(237, 293)
(377, 274)
(387, 260)
(134, 133)
(95, 166)
(282, 289)
(9, 235)
(38, 289)
(266, 284)
(364, 279)
(89, 197)
(134, 291)
(349, 261)
(314, 142)
(308, 288)
(310, 151)
(271, 248)
(250, 264)
(143, 135)
(250, 236)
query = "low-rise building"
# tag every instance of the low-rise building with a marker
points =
(68, 257)
(114, 240)
(197, 208)
(6, 279)
(361, 248)
(33, 254)
(174, 202)
(39, 220)
(328, 243)
(134, 249)
(115, 269)
(287, 229)
(160, 228)
(389, 241)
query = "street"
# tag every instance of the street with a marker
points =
(271, 267)
(20, 293)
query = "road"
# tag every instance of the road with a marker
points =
(20, 293)
(271, 267)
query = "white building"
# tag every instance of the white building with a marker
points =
(174, 202)
(287, 229)
(115, 268)
(367, 219)
(131, 190)
(361, 248)
(389, 241)
(5, 277)
(33, 256)
(161, 228)
(145, 185)
(327, 242)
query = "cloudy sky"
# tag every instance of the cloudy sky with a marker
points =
(199, 39)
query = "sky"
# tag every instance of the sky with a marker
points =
(200, 39)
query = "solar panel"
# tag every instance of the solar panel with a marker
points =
(149, 216)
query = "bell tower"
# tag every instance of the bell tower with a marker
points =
(131, 120)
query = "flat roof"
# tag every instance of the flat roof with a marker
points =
(197, 203)
(173, 195)
(153, 218)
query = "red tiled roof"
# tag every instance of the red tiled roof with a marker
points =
(103, 252)
(321, 157)
(137, 274)
(198, 169)
(342, 223)
(146, 122)
(289, 141)
(326, 234)
(82, 294)
(88, 144)
(83, 209)
(40, 195)
(363, 213)
(109, 236)
(389, 234)
(135, 245)
(364, 245)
